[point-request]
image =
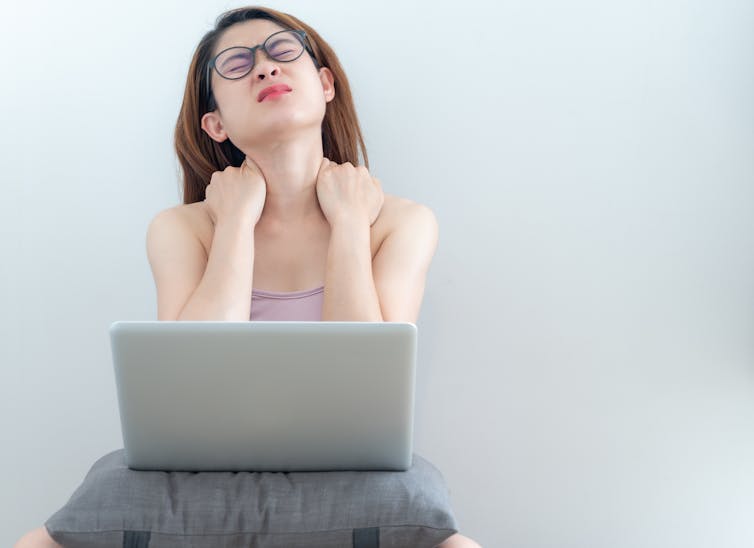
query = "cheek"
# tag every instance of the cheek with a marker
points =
(235, 103)
(227, 93)
(311, 97)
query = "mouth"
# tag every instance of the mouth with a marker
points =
(273, 91)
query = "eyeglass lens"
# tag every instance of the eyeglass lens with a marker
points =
(237, 62)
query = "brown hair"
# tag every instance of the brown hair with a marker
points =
(200, 155)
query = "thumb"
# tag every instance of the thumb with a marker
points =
(250, 164)
(323, 164)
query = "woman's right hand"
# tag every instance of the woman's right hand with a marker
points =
(236, 193)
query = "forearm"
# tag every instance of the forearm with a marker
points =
(350, 294)
(224, 293)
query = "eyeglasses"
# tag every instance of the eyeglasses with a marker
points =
(237, 61)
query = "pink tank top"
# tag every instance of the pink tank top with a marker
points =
(289, 306)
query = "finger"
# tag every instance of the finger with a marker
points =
(250, 164)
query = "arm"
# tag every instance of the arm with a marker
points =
(402, 262)
(350, 294)
(391, 287)
(357, 288)
(192, 286)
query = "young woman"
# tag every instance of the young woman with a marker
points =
(280, 221)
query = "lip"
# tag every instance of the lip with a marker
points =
(272, 89)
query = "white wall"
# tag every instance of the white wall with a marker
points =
(586, 375)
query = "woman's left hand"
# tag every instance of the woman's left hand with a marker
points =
(348, 193)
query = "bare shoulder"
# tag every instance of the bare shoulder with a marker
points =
(191, 217)
(188, 213)
(402, 213)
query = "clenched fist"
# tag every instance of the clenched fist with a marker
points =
(348, 193)
(236, 193)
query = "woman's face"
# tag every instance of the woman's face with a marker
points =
(247, 121)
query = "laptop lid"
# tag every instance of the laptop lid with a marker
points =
(265, 396)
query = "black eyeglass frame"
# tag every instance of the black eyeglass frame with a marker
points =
(304, 41)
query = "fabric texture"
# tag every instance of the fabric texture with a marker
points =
(116, 506)
(295, 305)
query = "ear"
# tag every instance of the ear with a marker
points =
(213, 126)
(328, 83)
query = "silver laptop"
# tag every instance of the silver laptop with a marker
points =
(265, 396)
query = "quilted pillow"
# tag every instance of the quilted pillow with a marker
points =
(119, 507)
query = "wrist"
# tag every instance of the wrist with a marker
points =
(245, 222)
(349, 221)
(350, 235)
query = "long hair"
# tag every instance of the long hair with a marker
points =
(200, 155)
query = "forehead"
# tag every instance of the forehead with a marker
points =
(247, 33)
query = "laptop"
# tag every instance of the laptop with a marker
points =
(265, 395)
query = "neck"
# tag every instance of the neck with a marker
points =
(290, 169)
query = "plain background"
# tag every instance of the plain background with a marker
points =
(586, 375)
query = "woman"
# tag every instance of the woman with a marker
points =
(288, 227)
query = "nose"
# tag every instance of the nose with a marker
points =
(263, 66)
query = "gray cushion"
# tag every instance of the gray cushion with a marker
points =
(117, 506)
